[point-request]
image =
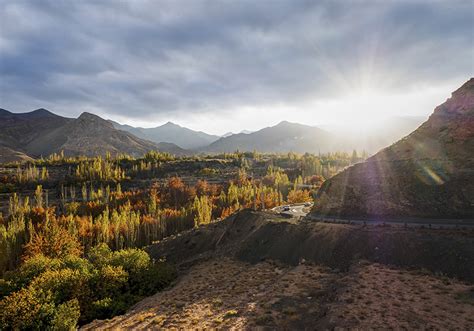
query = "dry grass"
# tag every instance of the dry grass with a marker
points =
(229, 294)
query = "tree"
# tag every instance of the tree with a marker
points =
(202, 210)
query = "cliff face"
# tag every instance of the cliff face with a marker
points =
(429, 173)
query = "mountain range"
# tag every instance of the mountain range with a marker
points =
(41, 133)
(281, 138)
(428, 174)
(171, 133)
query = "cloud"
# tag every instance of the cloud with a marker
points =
(151, 60)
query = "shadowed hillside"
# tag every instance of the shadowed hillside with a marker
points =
(429, 173)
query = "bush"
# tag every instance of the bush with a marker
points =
(110, 281)
(27, 309)
(66, 316)
(132, 260)
(65, 284)
(56, 293)
(100, 255)
(32, 268)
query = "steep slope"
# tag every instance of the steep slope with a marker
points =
(171, 133)
(283, 137)
(91, 135)
(18, 130)
(429, 173)
(257, 270)
(9, 155)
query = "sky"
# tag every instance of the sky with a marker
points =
(220, 66)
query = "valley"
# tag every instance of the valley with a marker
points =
(236, 165)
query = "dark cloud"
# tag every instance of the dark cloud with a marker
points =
(145, 58)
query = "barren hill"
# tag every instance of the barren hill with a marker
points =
(259, 270)
(429, 173)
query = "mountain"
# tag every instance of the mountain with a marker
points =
(283, 137)
(41, 133)
(429, 173)
(172, 133)
(19, 130)
(228, 134)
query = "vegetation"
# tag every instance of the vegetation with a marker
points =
(72, 229)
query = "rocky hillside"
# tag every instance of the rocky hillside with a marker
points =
(429, 173)
(41, 133)
(259, 270)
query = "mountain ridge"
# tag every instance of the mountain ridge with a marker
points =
(41, 133)
(172, 133)
(428, 174)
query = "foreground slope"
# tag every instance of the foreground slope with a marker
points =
(261, 270)
(429, 173)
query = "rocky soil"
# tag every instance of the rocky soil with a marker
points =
(225, 293)
(258, 270)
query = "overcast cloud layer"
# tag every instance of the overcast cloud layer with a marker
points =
(145, 62)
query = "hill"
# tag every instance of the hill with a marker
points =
(428, 174)
(41, 133)
(19, 130)
(9, 155)
(258, 270)
(171, 133)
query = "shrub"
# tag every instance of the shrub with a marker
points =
(33, 267)
(110, 281)
(108, 307)
(26, 309)
(66, 316)
(132, 260)
(65, 284)
(100, 255)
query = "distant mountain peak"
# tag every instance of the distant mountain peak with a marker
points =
(288, 124)
(94, 119)
(88, 116)
(171, 125)
(41, 112)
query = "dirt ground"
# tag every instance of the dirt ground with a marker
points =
(224, 293)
